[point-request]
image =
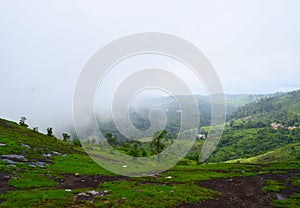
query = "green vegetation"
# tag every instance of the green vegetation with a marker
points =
(291, 202)
(273, 186)
(77, 163)
(151, 195)
(37, 198)
(290, 152)
(37, 170)
(31, 180)
(295, 182)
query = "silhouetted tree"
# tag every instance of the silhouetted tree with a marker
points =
(22, 121)
(49, 131)
(66, 137)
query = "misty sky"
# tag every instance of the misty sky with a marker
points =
(254, 46)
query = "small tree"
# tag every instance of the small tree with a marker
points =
(112, 140)
(22, 121)
(156, 144)
(49, 131)
(76, 142)
(66, 137)
(134, 148)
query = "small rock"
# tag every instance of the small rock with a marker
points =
(26, 145)
(279, 196)
(37, 163)
(20, 157)
(8, 161)
(229, 179)
(93, 192)
(82, 194)
(47, 155)
(68, 190)
(2, 145)
(76, 174)
(122, 200)
(124, 166)
(169, 177)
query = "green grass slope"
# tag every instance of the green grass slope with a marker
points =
(290, 152)
(30, 144)
(284, 108)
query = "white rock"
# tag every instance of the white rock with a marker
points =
(68, 190)
(82, 194)
(93, 192)
(169, 177)
(124, 166)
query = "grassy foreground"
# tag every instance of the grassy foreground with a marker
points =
(43, 175)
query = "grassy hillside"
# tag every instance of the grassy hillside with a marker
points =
(41, 171)
(250, 142)
(283, 108)
(249, 132)
(290, 152)
(31, 144)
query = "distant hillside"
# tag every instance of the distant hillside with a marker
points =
(250, 142)
(169, 105)
(283, 108)
(141, 109)
(290, 152)
(249, 132)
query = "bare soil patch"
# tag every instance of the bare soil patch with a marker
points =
(85, 181)
(240, 192)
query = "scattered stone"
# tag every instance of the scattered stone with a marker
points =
(77, 174)
(229, 179)
(37, 163)
(169, 177)
(56, 153)
(122, 200)
(13, 158)
(124, 166)
(47, 155)
(68, 190)
(93, 192)
(8, 161)
(83, 194)
(25, 145)
(279, 196)
(88, 196)
(2, 145)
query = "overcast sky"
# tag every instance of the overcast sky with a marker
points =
(253, 45)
